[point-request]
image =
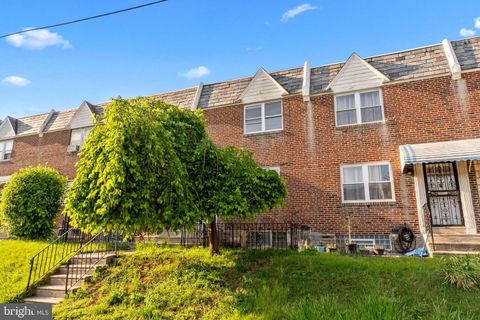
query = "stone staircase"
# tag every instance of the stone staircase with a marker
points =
(455, 240)
(52, 291)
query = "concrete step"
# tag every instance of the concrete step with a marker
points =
(78, 268)
(449, 230)
(88, 255)
(91, 259)
(46, 300)
(457, 239)
(459, 247)
(86, 261)
(449, 253)
(52, 291)
(60, 279)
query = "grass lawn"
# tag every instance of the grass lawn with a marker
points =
(15, 266)
(176, 283)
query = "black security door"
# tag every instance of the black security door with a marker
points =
(443, 194)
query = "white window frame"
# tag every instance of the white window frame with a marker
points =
(84, 135)
(276, 169)
(3, 146)
(365, 181)
(262, 108)
(358, 107)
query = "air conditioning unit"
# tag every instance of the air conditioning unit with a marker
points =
(73, 148)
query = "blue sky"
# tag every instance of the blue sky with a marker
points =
(182, 42)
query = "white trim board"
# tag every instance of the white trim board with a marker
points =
(83, 117)
(356, 74)
(7, 129)
(262, 88)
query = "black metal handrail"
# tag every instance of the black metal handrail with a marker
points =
(428, 222)
(52, 256)
(88, 256)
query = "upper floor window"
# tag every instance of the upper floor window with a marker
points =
(263, 117)
(6, 148)
(276, 169)
(367, 182)
(359, 107)
(78, 136)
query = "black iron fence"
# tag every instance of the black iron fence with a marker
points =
(250, 235)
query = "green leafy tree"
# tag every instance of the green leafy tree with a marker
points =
(31, 201)
(230, 184)
(151, 166)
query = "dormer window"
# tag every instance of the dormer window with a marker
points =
(78, 137)
(6, 148)
(359, 107)
(263, 117)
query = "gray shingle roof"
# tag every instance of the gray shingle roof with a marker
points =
(404, 65)
(320, 77)
(221, 93)
(411, 64)
(59, 120)
(32, 124)
(468, 52)
(291, 79)
(415, 63)
(183, 98)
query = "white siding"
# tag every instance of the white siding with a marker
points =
(82, 118)
(6, 130)
(262, 88)
(355, 75)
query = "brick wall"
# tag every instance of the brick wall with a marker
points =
(311, 149)
(49, 150)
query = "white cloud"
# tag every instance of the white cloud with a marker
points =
(253, 49)
(465, 32)
(38, 39)
(195, 73)
(477, 22)
(16, 81)
(292, 13)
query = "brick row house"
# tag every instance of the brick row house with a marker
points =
(388, 140)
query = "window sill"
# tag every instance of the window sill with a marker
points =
(359, 125)
(262, 133)
(369, 203)
(6, 161)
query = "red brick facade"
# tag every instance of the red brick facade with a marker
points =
(311, 149)
(49, 149)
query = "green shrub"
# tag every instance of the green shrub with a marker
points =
(462, 272)
(31, 201)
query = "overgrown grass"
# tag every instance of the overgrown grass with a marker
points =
(175, 283)
(462, 272)
(15, 266)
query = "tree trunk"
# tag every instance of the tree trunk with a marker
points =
(213, 238)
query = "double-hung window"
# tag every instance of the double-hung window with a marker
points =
(359, 107)
(263, 117)
(367, 182)
(78, 136)
(6, 148)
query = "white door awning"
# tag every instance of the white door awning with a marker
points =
(459, 150)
